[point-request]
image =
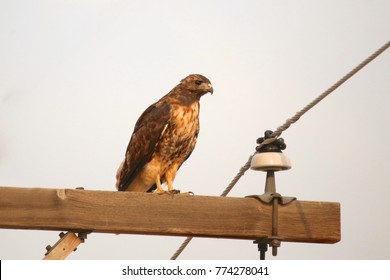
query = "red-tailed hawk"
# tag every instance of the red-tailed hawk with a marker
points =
(163, 138)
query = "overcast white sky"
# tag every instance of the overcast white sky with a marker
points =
(75, 76)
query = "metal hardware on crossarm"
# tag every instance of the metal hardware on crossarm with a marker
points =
(270, 158)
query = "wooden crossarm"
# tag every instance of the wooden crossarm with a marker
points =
(175, 215)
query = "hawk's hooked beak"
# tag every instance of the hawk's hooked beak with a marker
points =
(211, 90)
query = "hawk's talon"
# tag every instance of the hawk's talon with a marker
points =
(161, 192)
(187, 193)
(171, 192)
(174, 191)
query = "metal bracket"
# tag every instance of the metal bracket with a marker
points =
(270, 192)
(270, 196)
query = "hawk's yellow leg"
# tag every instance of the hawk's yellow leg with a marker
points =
(159, 189)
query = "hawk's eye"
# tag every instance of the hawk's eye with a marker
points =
(198, 82)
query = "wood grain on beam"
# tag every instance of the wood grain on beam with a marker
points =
(175, 215)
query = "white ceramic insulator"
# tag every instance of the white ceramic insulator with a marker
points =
(270, 161)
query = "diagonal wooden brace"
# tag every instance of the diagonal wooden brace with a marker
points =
(63, 247)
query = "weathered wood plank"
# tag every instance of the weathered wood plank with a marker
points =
(177, 215)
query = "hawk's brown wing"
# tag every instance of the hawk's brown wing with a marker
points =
(147, 132)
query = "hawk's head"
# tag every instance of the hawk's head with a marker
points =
(197, 84)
